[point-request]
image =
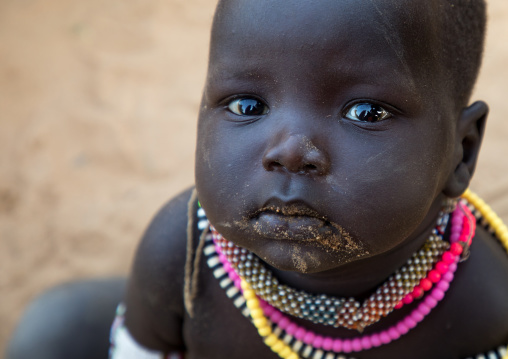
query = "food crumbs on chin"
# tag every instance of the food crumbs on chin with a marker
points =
(298, 261)
(332, 238)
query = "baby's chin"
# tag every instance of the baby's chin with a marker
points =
(307, 256)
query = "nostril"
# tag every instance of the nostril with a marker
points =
(273, 165)
(309, 168)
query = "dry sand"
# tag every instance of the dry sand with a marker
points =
(98, 104)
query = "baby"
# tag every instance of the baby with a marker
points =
(333, 138)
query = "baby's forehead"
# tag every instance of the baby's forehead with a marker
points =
(270, 31)
(407, 28)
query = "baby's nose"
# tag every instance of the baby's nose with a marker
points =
(296, 154)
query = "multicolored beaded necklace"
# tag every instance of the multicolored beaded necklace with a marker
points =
(291, 341)
(338, 312)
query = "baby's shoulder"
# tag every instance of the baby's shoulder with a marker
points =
(479, 296)
(155, 292)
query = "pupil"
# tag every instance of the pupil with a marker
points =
(251, 107)
(368, 112)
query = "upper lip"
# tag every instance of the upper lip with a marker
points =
(294, 207)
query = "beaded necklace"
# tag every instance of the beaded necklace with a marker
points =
(338, 312)
(290, 341)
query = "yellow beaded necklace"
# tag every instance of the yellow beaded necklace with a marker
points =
(284, 351)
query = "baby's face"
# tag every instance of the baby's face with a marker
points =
(322, 139)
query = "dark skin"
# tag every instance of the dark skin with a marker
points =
(326, 148)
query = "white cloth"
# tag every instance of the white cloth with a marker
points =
(126, 347)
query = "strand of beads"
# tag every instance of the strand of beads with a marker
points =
(338, 312)
(263, 326)
(463, 228)
(492, 219)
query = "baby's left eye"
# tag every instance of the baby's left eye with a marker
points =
(248, 106)
(367, 112)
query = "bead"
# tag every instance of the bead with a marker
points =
(417, 292)
(327, 344)
(264, 331)
(442, 267)
(346, 346)
(286, 352)
(448, 257)
(309, 338)
(375, 340)
(456, 249)
(300, 333)
(276, 317)
(291, 329)
(278, 346)
(256, 313)
(426, 284)
(252, 304)
(417, 316)
(410, 322)
(437, 294)
(356, 345)
(431, 302)
(337, 345)
(424, 308)
(448, 276)
(408, 299)
(260, 322)
(317, 342)
(393, 333)
(283, 323)
(249, 294)
(443, 285)
(271, 340)
(434, 276)
(366, 343)
(384, 337)
(402, 328)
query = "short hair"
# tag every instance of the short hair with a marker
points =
(463, 24)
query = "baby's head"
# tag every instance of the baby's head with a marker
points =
(332, 131)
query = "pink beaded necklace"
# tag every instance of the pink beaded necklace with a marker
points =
(306, 342)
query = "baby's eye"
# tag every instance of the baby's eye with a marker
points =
(248, 106)
(367, 112)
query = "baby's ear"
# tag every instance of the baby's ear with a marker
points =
(470, 129)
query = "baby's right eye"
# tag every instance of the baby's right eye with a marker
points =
(248, 106)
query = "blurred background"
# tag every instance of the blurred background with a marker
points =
(98, 107)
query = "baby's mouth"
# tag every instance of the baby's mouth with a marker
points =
(295, 222)
(300, 223)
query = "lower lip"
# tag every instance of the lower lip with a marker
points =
(278, 226)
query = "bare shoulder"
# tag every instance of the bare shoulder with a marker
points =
(478, 300)
(154, 298)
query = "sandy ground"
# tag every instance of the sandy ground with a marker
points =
(98, 103)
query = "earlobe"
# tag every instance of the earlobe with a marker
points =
(470, 129)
